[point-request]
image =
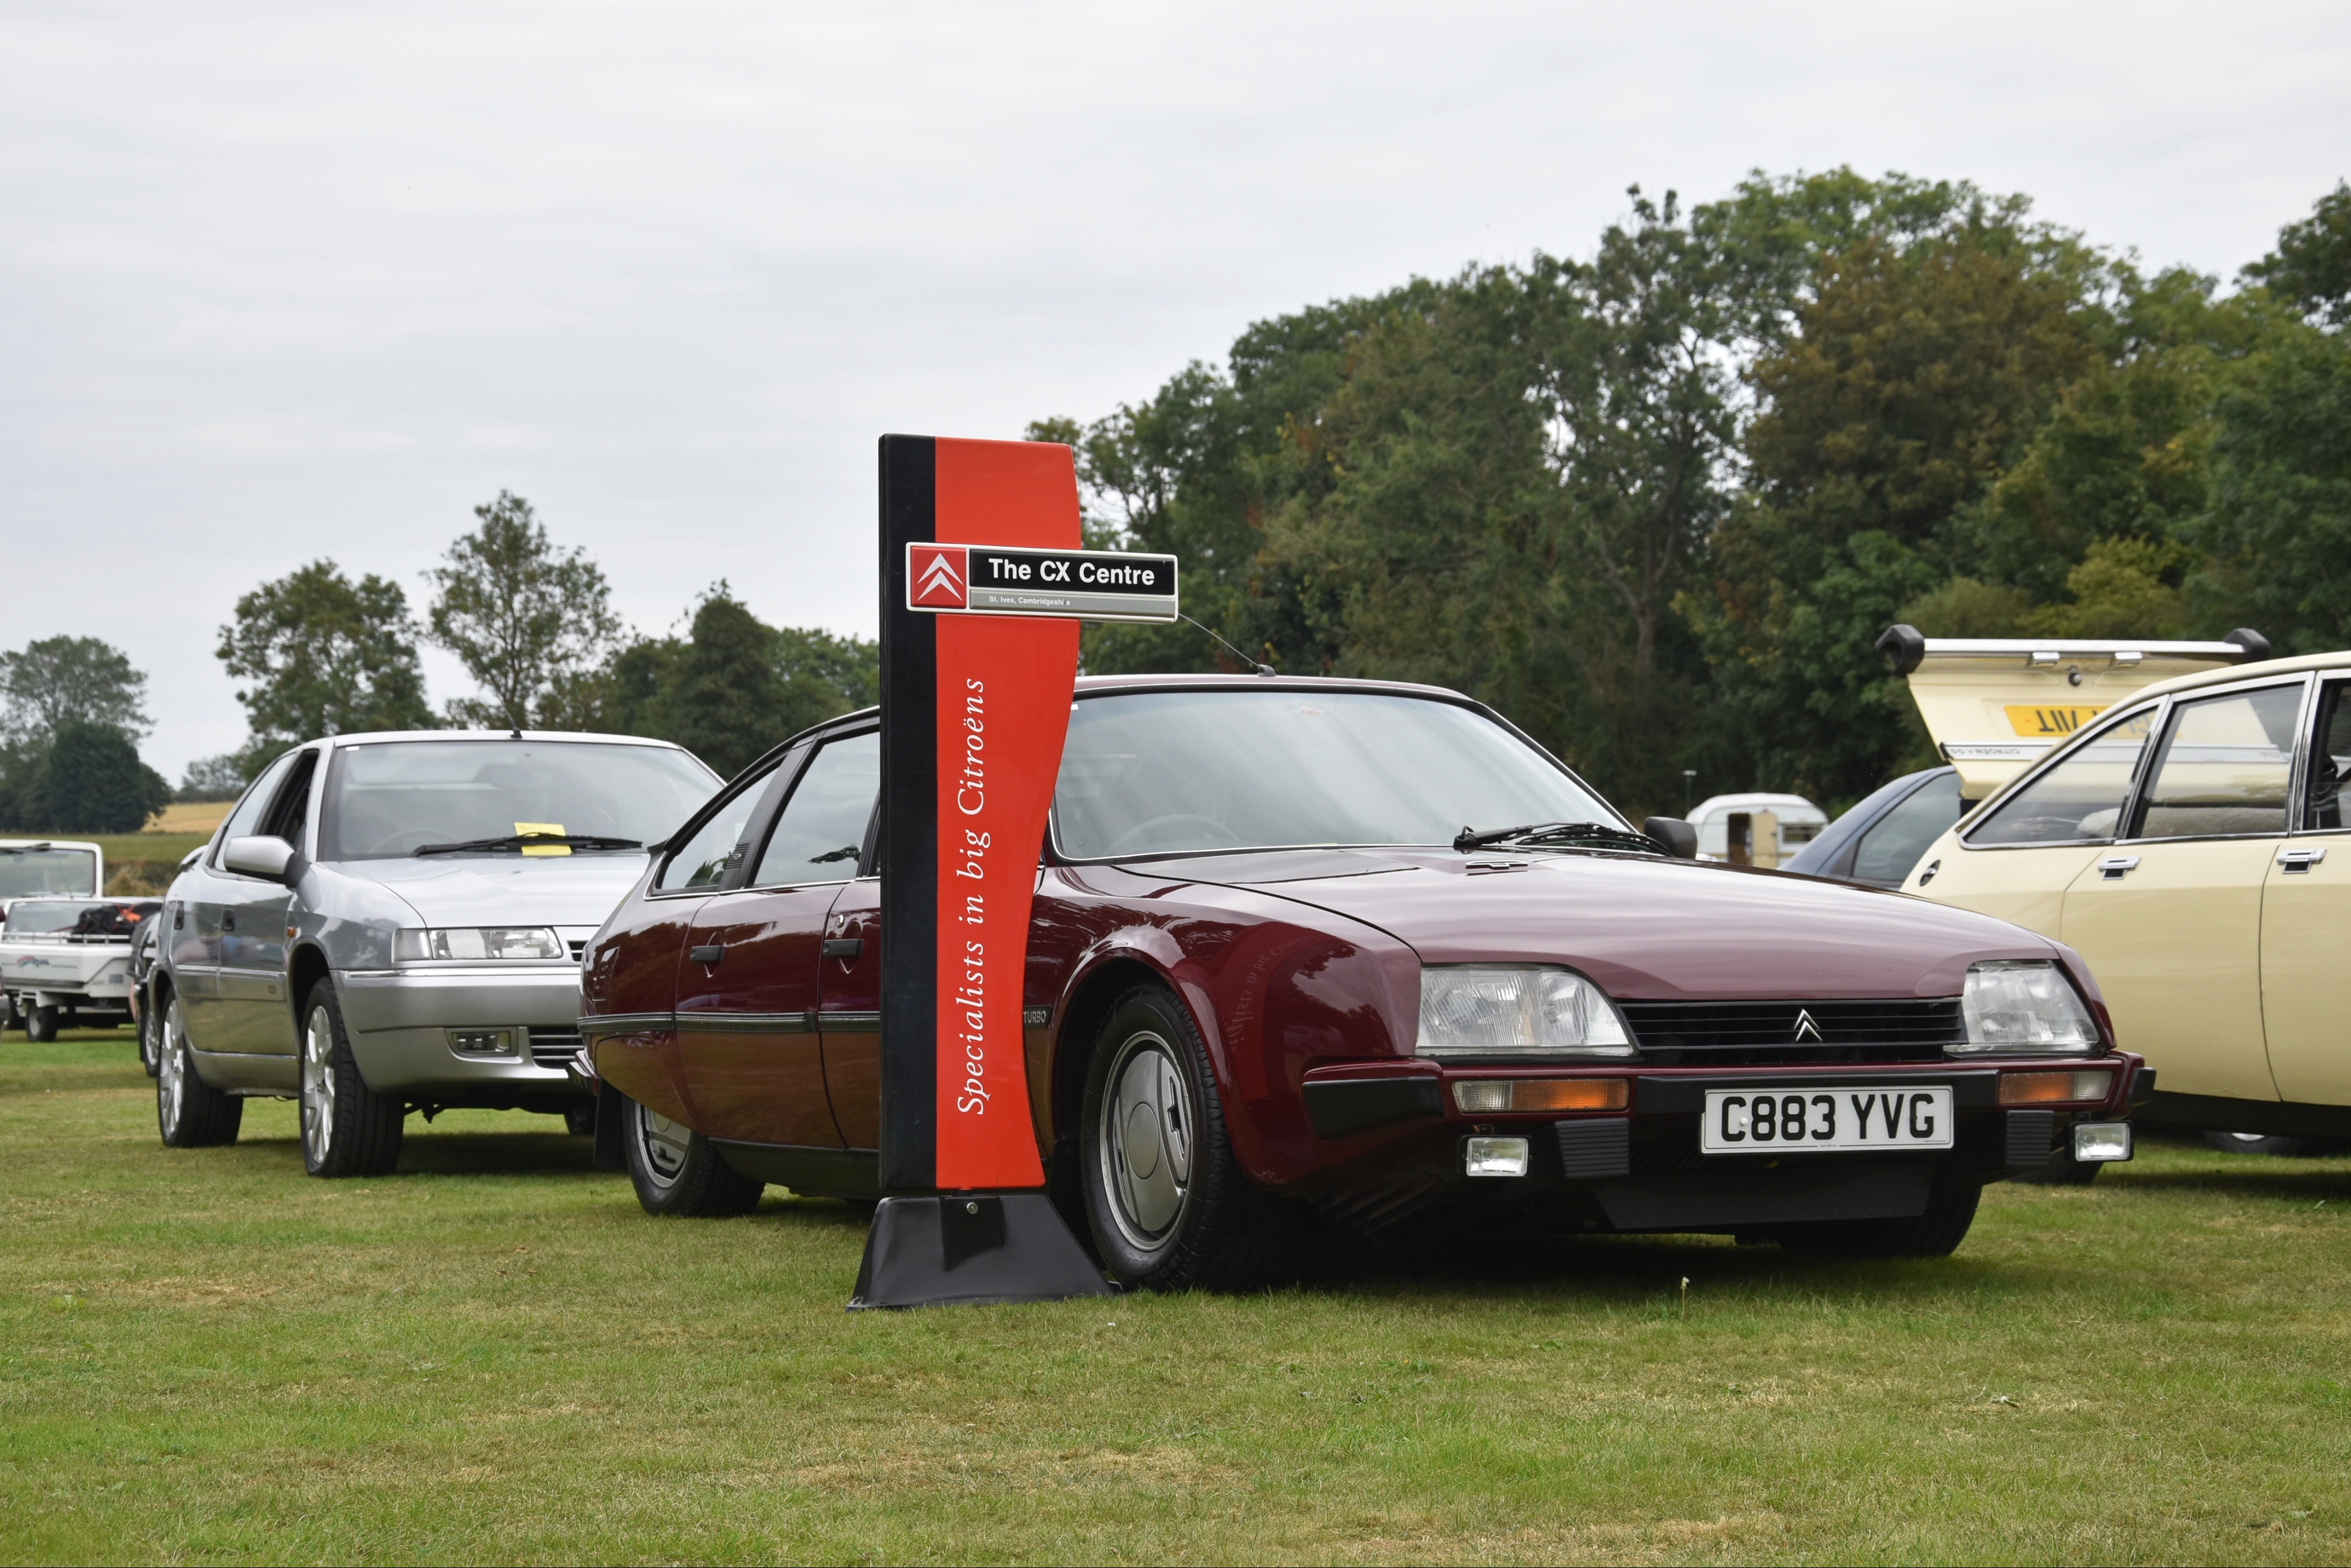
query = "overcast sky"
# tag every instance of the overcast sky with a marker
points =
(281, 280)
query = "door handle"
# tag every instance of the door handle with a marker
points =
(2299, 859)
(2114, 868)
(710, 954)
(845, 948)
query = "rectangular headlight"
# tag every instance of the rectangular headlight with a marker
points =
(478, 943)
(2024, 1007)
(1488, 1011)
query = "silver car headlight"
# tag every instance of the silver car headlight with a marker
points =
(2013, 1005)
(478, 942)
(1526, 1009)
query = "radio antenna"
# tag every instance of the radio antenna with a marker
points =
(1262, 669)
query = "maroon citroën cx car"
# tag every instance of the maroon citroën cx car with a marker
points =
(1360, 946)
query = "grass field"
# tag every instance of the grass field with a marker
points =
(494, 1355)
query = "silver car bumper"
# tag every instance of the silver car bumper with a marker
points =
(405, 1027)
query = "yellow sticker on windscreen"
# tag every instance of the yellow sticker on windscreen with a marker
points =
(532, 830)
(2052, 723)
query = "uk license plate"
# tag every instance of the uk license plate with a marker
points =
(1847, 1116)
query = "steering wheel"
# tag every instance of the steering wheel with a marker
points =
(1138, 836)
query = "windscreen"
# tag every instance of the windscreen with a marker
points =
(1171, 772)
(26, 872)
(391, 799)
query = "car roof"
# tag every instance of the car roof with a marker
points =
(376, 737)
(2339, 660)
(1752, 798)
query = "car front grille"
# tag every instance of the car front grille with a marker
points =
(578, 950)
(553, 1046)
(1771, 1034)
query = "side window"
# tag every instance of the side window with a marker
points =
(243, 823)
(2080, 799)
(2330, 757)
(1893, 845)
(2223, 765)
(291, 809)
(703, 860)
(822, 828)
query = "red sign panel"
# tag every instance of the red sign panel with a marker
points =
(1002, 713)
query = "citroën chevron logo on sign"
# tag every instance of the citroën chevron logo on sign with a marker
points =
(940, 575)
(1805, 1028)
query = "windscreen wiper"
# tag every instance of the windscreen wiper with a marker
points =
(531, 841)
(1555, 833)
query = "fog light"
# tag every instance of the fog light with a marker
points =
(482, 1041)
(2101, 1143)
(1477, 1094)
(2054, 1088)
(1495, 1157)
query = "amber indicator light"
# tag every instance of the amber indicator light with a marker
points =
(2054, 1088)
(1484, 1095)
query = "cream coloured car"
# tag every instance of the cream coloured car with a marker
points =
(2189, 843)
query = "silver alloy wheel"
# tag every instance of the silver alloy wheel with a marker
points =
(318, 1086)
(1146, 1141)
(168, 1074)
(663, 1143)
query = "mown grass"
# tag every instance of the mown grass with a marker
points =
(494, 1355)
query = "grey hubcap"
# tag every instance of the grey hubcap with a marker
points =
(318, 1086)
(664, 1144)
(174, 1063)
(1146, 1140)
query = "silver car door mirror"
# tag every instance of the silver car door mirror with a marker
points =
(263, 857)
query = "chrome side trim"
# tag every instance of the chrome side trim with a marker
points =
(744, 1023)
(846, 1021)
(626, 1023)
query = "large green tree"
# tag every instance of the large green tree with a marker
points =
(58, 681)
(321, 654)
(526, 618)
(95, 783)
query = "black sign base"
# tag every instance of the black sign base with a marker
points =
(969, 1249)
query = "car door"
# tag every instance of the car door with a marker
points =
(256, 1016)
(2017, 864)
(200, 922)
(2307, 921)
(748, 991)
(2169, 917)
(632, 975)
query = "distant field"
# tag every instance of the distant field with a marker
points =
(494, 1356)
(198, 817)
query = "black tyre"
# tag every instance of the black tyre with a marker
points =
(190, 1113)
(1937, 1233)
(2273, 1144)
(1167, 1204)
(677, 1170)
(347, 1129)
(151, 1038)
(41, 1025)
(580, 1120)
(9, 1017)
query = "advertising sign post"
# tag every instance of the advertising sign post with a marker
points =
(983, 581)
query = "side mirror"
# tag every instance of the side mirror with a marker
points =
(266, 858)
(1679, 838)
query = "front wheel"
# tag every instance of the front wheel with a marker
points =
(41, 1025)
(190, 1113)
(1167, 1204)
(2277, 1144)
(1937, 1233)
(677, 1170)
(347, 1129)
(151, 1039)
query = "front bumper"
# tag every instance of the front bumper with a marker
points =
(405, 1025)
(1394, 1140)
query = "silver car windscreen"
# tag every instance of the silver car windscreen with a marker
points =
(391, 800)
(1171, 772)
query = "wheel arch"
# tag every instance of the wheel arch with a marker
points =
(304, 967)
(1083, 1012)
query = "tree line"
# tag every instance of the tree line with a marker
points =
(318, 653)
(1657, 502)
